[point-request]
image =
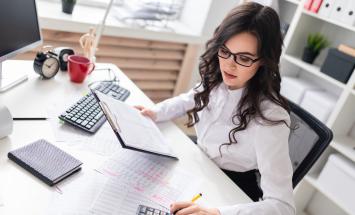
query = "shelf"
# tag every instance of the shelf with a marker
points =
(312, 180)
(334, 22)
(344, 145)
(296, 2)
(315, 70)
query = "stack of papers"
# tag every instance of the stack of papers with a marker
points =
(123, 182)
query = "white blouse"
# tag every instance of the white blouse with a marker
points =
(260, 146)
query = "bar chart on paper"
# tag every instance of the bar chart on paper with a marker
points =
(136, 178)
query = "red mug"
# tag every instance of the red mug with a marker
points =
(79, 67)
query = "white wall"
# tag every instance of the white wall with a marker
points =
(194, 14)
(217, 11)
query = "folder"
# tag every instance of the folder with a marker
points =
(295, 88)
(45, 161)
(319, 103)
(326, 8)
(308, 4)
(348, 16)
(316, 5)
(133, 130)
(338, 10)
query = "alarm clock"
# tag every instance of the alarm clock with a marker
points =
(62, 55)
(46, 64)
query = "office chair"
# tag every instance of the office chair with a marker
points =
(306, 142)
(308, 139)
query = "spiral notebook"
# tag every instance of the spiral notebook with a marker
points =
(45, 161)
(133, 130)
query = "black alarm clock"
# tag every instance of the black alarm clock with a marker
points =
(46, 64)
(62, 55)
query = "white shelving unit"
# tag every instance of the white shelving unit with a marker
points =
(344, 145)
(296, 2)
(312, 198)
(314, 70)
(312, 179)
(351, 28)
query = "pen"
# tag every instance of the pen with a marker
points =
(196, 197)
(35, 118)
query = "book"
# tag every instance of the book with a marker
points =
(347, 49)
(45, 161)
(133, 130)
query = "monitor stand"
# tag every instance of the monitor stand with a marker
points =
(10, 78)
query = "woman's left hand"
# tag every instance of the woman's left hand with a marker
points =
(185, 208)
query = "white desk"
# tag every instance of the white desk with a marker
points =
(22, 193)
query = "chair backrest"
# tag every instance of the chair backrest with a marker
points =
(307, 141)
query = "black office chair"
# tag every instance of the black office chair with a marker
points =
(308, 139)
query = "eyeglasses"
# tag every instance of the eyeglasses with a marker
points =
(239, 58)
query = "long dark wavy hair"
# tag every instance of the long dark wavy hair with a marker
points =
(262, 22)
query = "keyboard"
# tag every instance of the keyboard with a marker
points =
(146, 210)
(86, 113)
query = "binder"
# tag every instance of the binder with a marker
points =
(326, 8)
(338, 10)
(308, 4)
(133, 130)
(45, 161)
(316, 5)
(348, 16)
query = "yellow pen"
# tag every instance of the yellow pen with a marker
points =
(196, 197)
(192, 200)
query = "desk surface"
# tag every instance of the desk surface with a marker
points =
(22, 193)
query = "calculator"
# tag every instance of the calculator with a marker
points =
(146, 210)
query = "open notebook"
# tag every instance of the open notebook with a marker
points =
(133, 130)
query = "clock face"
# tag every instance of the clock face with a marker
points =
(50, 67)
(65, 57)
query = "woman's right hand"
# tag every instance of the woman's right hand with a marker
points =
(146, 112)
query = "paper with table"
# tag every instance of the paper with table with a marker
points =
(1, 202)
(103, 142)
(131, 178)
(133, 130)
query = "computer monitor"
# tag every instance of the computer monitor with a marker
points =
(20, 32)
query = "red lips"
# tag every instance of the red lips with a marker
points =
(229, 75)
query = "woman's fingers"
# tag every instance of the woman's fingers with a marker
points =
(189, 208)
(149, 113)
(146, 112)
(177, 206)
(192, 209)
(139, 107)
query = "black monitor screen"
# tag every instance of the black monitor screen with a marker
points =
(18, 25)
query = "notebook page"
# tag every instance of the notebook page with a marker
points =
(1, 201)
(75, 196)
(137, 178)
(103, 142)
(136, 130)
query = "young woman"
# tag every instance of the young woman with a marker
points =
(242, 122)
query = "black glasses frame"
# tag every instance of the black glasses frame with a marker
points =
(235, 56)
